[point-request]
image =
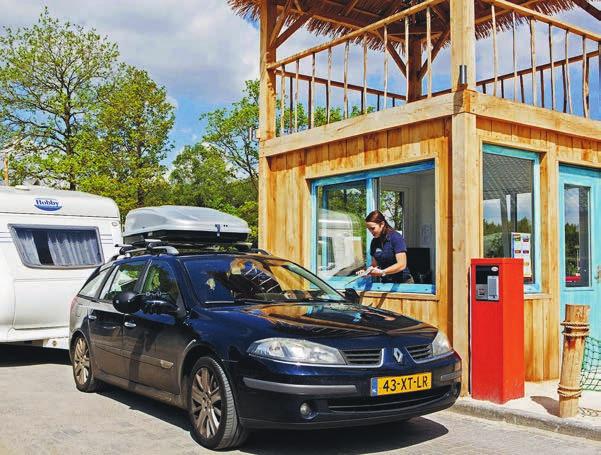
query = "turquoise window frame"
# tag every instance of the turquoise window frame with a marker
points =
(530, 288)
(365, 284)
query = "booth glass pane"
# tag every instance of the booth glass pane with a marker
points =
(508, 209)
(577, 236)
(341, 233)
(407, 200)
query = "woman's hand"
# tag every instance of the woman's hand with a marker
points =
(375, 271)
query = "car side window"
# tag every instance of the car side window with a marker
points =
(123, 279)
(161, 279)
(91, 288)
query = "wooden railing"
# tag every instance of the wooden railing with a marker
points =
(301, 108)
(529, 84)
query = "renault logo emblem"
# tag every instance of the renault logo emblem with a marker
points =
(398, 355)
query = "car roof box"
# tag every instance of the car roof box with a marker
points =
(173, 223)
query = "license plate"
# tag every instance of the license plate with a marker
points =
(401, 384)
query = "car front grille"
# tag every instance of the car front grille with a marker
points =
(388, 402)
(363, 357)
(420, 352)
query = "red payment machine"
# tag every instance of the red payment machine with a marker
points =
(497, 329)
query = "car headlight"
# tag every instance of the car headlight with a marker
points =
(441, 344)
(296, 351)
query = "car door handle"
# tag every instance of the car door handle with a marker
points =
(92, 317)
(129, 324)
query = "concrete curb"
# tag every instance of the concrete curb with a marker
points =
(518, 417)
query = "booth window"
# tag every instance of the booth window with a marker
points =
(405, 195)
(510, 208)
(57, 247)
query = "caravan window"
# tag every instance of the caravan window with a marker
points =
(58, 246)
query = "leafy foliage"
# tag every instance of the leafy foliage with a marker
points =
(50, 75)
(127, 139)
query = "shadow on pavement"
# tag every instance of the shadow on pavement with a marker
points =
(15, 356)
(375, 438)
(169, 414)
(551, 405)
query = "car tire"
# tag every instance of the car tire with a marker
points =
(81, 360)
(211, 407)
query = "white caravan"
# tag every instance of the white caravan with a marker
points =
(50, 242)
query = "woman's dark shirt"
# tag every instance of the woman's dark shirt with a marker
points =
(384, 250)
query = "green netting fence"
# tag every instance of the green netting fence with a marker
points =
(590, 375)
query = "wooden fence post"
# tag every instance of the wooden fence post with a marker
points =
(575, 331)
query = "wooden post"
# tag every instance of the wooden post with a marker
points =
(575, 331)
(385, 68)
(465, 191)
(364, 93)
(463, 43)
(533, 61)
(346, 52)
(407, 68)
(515, 60)
(312, 94)
(296, 98)
(267, 108)
(329, 85)
(414, 81)
(552, 67)
(429, 50)
(494, 48)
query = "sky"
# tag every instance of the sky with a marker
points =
(202, 52)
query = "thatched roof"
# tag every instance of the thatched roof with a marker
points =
(334, 18)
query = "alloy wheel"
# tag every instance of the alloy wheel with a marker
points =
(206, 402)
(81, 361)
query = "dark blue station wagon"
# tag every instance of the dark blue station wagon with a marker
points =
(244, 341)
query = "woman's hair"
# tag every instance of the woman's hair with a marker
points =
(377, 217)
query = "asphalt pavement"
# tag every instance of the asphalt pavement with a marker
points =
(41, 412)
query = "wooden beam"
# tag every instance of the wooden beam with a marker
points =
(292, 28)
(414, 87)
(546, 19)
(442, 39)
(267, 108)
(586, 6)
(419, 111)
(394, 6)
(463, 42)
(394, 54)
(348, 8)
(533, 116)
(280, 22)
(465, 177)
(544, 67)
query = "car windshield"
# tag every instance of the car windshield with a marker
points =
(230, 279)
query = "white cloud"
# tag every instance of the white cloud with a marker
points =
(197, 49)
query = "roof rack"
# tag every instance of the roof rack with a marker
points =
(154, 246)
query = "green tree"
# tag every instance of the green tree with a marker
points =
(50, 74)
(128, 138)
(230, 131)
(201, 176)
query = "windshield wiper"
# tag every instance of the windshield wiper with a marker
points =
(310, 299)
(238, 300)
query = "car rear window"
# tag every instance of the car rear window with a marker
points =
(58, 246)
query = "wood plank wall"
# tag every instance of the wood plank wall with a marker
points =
(288, 208)
(288, 213)
(541, 313)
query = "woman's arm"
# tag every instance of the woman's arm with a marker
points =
(399, 266)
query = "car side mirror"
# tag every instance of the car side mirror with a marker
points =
(351, 295)
(127, 302)
(156, 304)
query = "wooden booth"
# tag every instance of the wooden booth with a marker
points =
(473, 125)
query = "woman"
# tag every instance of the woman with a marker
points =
(388, 251)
